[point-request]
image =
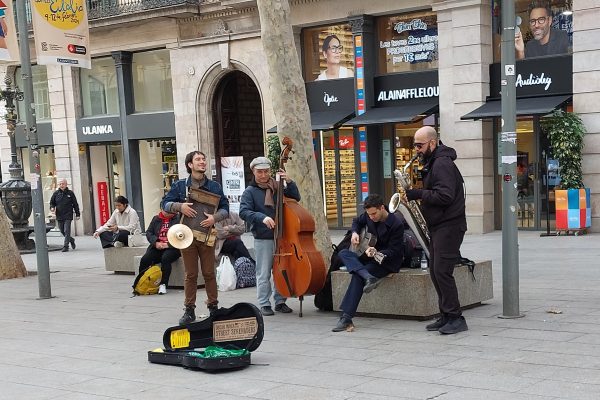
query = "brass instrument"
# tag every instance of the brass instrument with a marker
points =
(410, 210)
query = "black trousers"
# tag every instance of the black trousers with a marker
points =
(108, 238)
(165, 257)
(444, 252)
(65, 230)
(235, 248)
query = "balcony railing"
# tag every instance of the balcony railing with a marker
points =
(110, 8)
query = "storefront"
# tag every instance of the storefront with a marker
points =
(542, 85)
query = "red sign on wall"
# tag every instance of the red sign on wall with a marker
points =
(346, 142)
(103, 203)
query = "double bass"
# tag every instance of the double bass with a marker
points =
(298, 267)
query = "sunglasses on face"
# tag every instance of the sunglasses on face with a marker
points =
(418, 146)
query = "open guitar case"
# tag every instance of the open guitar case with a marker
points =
(239, 327)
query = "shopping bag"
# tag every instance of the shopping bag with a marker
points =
(226, 277)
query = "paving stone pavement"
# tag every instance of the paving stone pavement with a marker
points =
(90, 340)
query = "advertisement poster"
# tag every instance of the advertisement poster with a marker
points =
(9, 48)
(232, 171)
(61, 33)
(329, 53)
(103, 206)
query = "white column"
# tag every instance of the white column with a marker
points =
(465, 52)
(586, 93)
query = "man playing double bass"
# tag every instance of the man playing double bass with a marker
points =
(257, 208)
(377, 261)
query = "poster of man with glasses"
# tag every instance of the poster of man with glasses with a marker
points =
(545, 39)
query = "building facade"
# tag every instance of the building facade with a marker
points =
(180, 76)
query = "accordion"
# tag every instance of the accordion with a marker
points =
(202, 202)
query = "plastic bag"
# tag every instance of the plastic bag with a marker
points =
(226, 277)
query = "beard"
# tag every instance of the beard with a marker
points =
(423, 157)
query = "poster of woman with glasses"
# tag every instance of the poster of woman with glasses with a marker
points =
(328, 52)
(332, 53)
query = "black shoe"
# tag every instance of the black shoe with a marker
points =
(188, 316)
(72, 243)
(66, 248)
(283, 308)
(441, 321)
(266, 310)
(454, 325)
(342, 325)
(371, 284)
(212, 308)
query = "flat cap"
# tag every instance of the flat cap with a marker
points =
(260, 163)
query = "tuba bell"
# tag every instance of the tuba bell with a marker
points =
(410, 210)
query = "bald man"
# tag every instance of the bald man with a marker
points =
(64, 203)
(443, 206)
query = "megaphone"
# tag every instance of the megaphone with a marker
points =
(180, 236)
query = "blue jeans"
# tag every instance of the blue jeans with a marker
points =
(359, 274)
(264, 249)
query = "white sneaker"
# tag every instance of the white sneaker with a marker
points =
(119, 244)
(162, 289)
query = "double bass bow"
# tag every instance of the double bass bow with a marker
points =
(298, 267)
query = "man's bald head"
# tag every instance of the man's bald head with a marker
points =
(426, 133)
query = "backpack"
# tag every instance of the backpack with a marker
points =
(324, 299)
(245, 270)
(148, 281)
(412, 250)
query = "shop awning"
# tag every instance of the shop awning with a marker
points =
(325, 120)
(384, 115)
(529, 106)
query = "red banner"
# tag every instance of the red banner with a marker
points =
(103, 204)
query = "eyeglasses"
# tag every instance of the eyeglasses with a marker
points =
(418, 146)
(336, 49)
(538, 21)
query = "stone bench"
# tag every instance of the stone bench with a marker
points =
(411, 294)
(120, 259)
(177, 272)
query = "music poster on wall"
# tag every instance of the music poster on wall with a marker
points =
(232, 171)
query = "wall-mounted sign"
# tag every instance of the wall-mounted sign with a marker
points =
(537, 77)
(103, 202)
(328, 53)
(396, 88)
(330, 95)
(98, 129)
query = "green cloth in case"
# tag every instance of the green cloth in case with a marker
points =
(218, 352)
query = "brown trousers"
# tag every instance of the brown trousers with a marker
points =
(207, 263)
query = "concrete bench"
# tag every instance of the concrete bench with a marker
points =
(177, 272)
(120, 259)
(411, 294)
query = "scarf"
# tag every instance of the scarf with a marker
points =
(271, 190)
(164, 227)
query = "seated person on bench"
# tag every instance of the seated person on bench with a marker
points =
(377, 261)
(229, 241)
(123, 222)
(160, 251)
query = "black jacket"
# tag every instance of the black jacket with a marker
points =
(65, 204)
(443, 198)
(154, 228)
(390, 238)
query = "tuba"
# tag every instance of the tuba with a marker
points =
(410, 210)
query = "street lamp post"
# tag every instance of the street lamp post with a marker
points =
(16, 192)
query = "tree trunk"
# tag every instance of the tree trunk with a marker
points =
(291, 111)
(11, 263)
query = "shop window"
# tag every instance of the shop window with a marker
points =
(404, 139)
(41, 97)
(99, 93)
(328, 52)
(543, 28)
(407, 42)
(158, 164)
(152, 87)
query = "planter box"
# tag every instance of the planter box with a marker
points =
(573, 209)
